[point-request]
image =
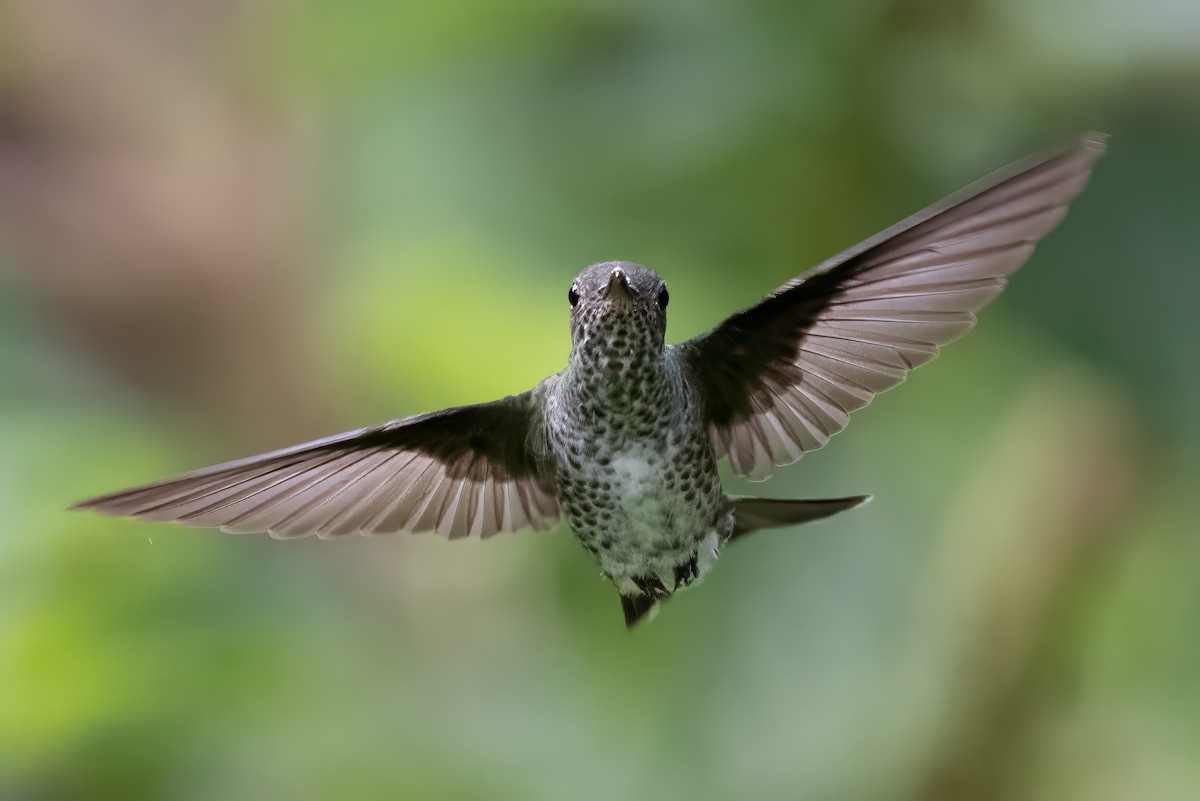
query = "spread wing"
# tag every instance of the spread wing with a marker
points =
(780, 378)
(470, 471)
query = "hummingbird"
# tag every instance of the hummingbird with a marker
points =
(623, 444)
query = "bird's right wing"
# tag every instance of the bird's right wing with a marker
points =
(471, 471)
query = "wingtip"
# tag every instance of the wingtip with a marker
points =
(95, 504)
(1093, 140)
(1089, 147)
(113, 504)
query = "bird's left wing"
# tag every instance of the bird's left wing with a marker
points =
(471, 471)
(780, 378)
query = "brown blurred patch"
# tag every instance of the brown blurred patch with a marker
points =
(158, 214)
(1019, 549)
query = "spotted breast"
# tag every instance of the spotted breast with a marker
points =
(637, 476)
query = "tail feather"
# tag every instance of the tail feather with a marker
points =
(751, 514)
(639, 607)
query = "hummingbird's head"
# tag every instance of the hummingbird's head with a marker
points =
(618, 307)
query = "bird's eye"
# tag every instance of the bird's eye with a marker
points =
(573, 295)
(663, 297)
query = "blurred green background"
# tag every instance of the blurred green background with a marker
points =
(231, 226)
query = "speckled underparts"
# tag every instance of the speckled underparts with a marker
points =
(637, 477)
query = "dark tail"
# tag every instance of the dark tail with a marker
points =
(638, 607)
(751, 514)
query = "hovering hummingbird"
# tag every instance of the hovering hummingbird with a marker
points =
(624, 442)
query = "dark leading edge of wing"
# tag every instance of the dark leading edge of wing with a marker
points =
(468, 471)
(780, 378)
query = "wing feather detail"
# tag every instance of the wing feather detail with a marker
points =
(465, 472)
(780, 378)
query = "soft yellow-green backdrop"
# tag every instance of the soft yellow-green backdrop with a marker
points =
(227, 227)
